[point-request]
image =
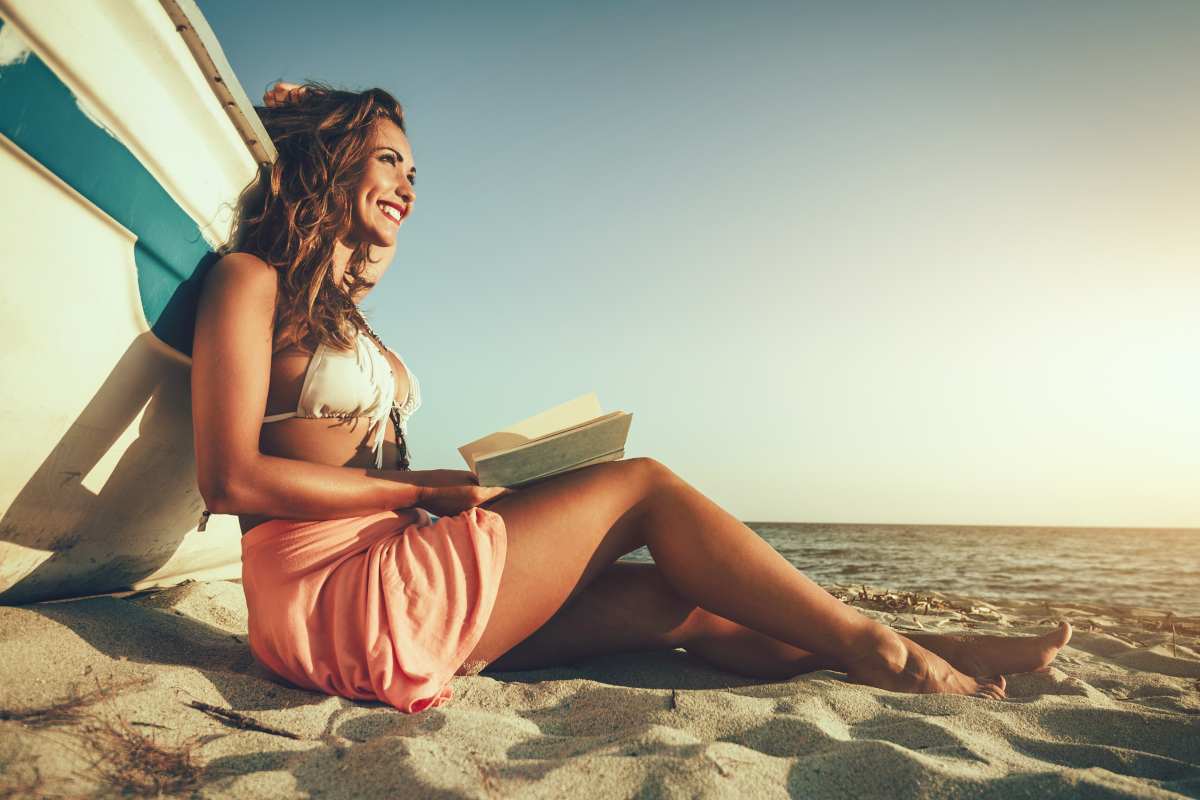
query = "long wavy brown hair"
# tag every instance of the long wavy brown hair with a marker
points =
(297, 208)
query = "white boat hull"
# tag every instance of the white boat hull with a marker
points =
(119, 165)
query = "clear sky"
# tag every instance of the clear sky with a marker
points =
(916, 262)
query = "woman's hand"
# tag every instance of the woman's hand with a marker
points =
(282, 93)
(446, 501)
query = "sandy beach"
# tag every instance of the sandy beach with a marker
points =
(149, 693)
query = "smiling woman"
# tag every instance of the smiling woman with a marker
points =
(338, 189)
(352, 586)
(278, 328)
(387, 183)
(394, 210)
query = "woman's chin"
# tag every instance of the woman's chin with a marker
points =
(376, 235)
(378, 238)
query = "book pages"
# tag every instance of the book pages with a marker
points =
(560, 417)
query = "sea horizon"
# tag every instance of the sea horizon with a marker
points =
(1151, 569)
(958, 525)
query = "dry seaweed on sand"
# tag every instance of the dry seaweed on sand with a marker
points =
(118, 756)
(136, 764)
(71, 709)
(912, 602)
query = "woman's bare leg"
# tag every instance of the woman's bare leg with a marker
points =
(564, 531)
(630, 607)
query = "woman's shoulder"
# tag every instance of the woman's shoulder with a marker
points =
(242, 275)
(239, 286)
(244, 266)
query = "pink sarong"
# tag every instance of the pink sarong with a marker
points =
(373, 608)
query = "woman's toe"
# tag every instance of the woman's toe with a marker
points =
(990, 692)
(1062, 635)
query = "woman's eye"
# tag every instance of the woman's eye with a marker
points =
(412, 179)
(389, 158)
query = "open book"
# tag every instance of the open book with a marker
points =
(568, 436)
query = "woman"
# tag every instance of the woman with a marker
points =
(355, 589)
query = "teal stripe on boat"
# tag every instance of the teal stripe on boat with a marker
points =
(40, 115)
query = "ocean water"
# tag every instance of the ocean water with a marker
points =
(1147, 568)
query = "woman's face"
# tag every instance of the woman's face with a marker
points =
(384, 196)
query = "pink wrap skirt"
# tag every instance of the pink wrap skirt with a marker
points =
(373, 607)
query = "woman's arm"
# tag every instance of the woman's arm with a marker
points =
(436, 477)
(231, 368)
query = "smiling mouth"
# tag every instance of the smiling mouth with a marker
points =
(392, 211)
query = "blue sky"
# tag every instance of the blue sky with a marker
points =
(850, 262)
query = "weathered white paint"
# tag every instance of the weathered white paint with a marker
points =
(133, 73)
(13, 49)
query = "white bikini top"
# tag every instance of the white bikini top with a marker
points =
(354, 384)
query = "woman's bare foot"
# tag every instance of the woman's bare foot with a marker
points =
(999, 655)
(890, 661)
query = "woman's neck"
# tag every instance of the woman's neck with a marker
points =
(378, 260)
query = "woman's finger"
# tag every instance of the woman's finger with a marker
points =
(490, 493)
(282, 92)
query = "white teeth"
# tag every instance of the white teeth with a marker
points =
(390, 212)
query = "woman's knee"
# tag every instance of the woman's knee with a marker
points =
(705, 626)
(652, 471)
